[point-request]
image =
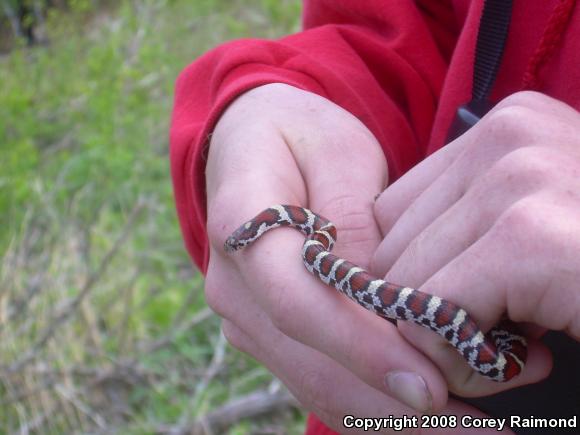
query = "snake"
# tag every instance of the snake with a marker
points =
(498, 355)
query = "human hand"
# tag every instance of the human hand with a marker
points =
(278, 144)
(491, 222)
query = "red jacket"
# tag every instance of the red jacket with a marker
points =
(402, 67)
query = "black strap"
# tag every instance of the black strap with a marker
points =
(493, 30)
(491, 37)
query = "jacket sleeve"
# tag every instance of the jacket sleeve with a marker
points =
(382, 61)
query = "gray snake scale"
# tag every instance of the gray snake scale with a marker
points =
(500, 355)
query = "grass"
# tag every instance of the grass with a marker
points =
(103, 324)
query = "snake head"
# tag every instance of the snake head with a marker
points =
(243, 236)
(232, 244)
(253, 229)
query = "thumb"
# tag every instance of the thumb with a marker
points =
(344, 169)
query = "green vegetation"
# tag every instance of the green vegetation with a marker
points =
(103, 325)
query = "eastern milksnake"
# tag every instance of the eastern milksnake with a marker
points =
(500, 355)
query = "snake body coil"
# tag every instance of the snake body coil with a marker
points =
(500, 355)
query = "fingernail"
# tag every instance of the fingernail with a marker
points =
(409, 388)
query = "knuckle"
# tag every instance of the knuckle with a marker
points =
(529, 165)
(215, 296)
(504, 129)
(529, 99)
(509, 125)
(235, 337)
(522, 226)
(518, 218)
